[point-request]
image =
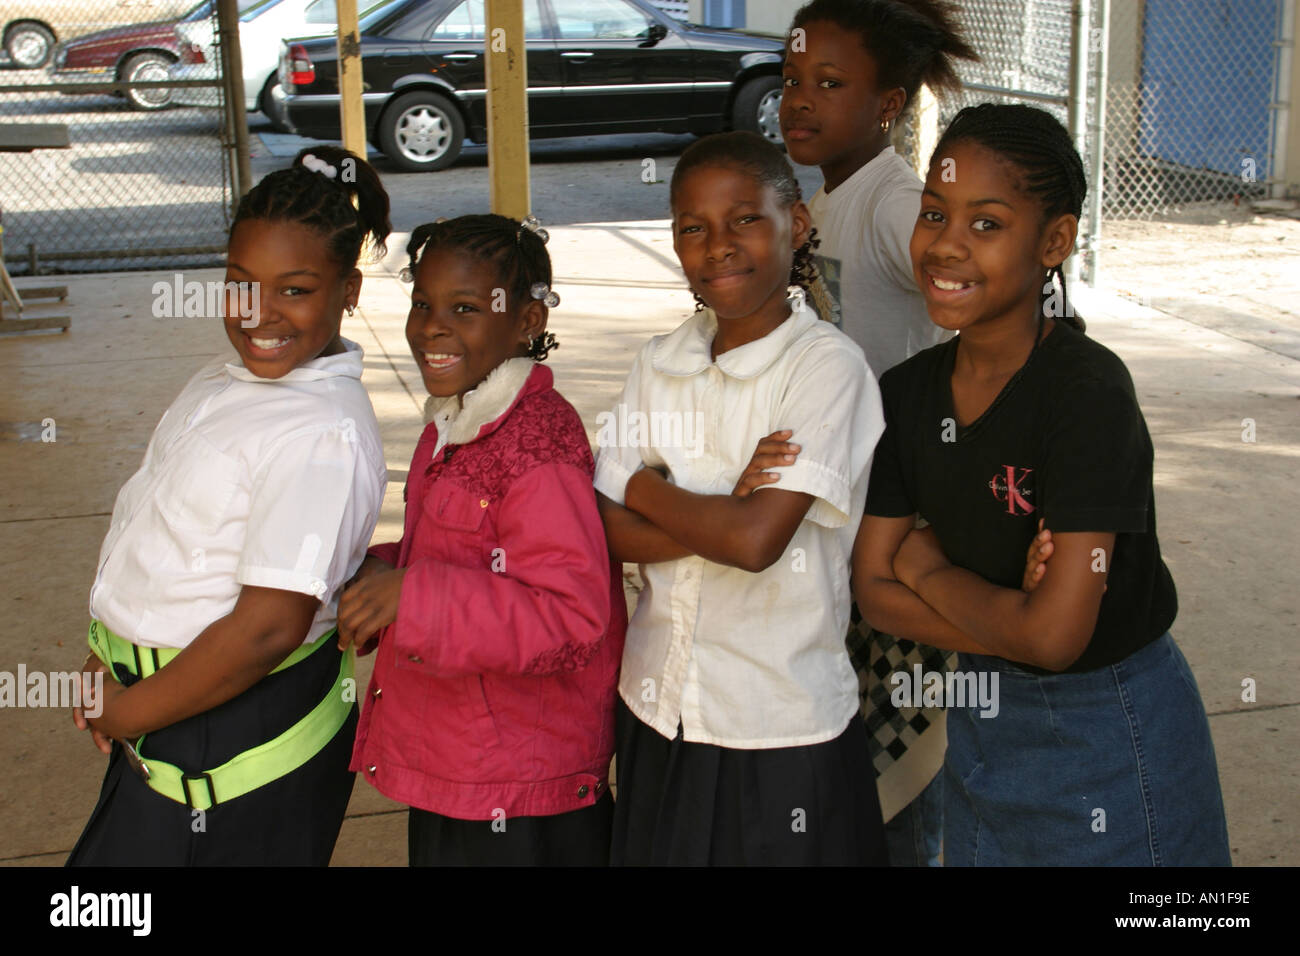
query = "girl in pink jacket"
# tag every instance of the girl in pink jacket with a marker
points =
(500, 614)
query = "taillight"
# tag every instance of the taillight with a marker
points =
(301, 70)
(192, 53)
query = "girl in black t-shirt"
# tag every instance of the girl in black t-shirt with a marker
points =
(1083, 738)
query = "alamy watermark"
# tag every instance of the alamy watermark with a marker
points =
(192, 299)
(62, 689)
(636, 429)
(946, 689)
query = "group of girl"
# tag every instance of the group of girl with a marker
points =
(235, 578)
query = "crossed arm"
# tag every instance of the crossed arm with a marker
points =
(662, 522)
(906, 586)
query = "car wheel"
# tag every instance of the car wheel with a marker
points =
(421, 131)
(757, 108)
(147, 67)
(29, 45)
(264, 103)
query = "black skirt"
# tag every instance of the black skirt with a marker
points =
(576, 838)
(683, 803)
(291, 821)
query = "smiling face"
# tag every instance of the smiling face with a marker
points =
(831, 106)
(736, 241)
(300, 296)
(980, 249)
(454, 333)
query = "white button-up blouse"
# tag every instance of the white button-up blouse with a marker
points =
(743, 660)
(274, 483)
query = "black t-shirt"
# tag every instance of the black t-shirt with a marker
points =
(1065, 441)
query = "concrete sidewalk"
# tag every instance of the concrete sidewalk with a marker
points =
(1229, 529)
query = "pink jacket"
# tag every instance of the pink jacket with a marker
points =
(494, 688)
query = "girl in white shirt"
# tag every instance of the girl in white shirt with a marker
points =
(227, 708)
(852, 69)
(739, 740)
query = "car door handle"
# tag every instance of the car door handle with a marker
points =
(577, 54)
(460, 56)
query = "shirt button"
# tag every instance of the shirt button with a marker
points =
(416, 659)
(371, 769)
(582, 791)
(482, 503)
(379, 692)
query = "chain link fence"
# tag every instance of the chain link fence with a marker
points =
(1189, 104)
(145, 180)
(1179, 94)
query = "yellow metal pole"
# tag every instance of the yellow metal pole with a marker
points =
(352, 114)
(507, 108)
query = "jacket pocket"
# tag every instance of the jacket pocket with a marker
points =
(455, 523)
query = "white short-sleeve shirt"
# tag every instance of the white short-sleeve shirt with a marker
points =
(865, 225)
(744, 660)
(274, 483)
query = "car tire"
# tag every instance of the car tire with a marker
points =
(264, 103)
(756, 107)
(421, 131)
(142, 67)
(29, 45)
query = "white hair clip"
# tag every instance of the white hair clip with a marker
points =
(540, 290)
(319, 166)
(532, 225)
(406, 275)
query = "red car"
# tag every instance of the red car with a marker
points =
(136, 52)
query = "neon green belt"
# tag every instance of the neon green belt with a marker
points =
(251, 769)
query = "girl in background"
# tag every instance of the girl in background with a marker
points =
(852, 70)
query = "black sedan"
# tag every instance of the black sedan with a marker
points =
(594, 66)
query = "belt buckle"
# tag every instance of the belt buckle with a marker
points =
(135, 761)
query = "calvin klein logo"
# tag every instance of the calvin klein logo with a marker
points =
(1009, 486)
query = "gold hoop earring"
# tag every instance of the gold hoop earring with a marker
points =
(884, 126)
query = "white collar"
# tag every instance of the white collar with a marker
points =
(481, 405)
(688, 350)
(347, 363)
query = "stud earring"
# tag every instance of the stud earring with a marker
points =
(351, 309)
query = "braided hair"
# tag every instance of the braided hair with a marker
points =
(752, 154)
(518, 253)
(300, 194)
(912, 41)
(1039, 147)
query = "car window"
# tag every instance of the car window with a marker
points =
(327, 11)
(599, 20)
(257, 9)
(468, 21)
(208, 10)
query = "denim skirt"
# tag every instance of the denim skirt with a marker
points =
(1113, 767)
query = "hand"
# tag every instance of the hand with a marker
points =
(102, 712)
(369, 606)
(1040, 549)
(771, 452)
(89, 669)
(919, 555)
(371, 565)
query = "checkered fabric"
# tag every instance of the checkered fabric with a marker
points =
(875, 656)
